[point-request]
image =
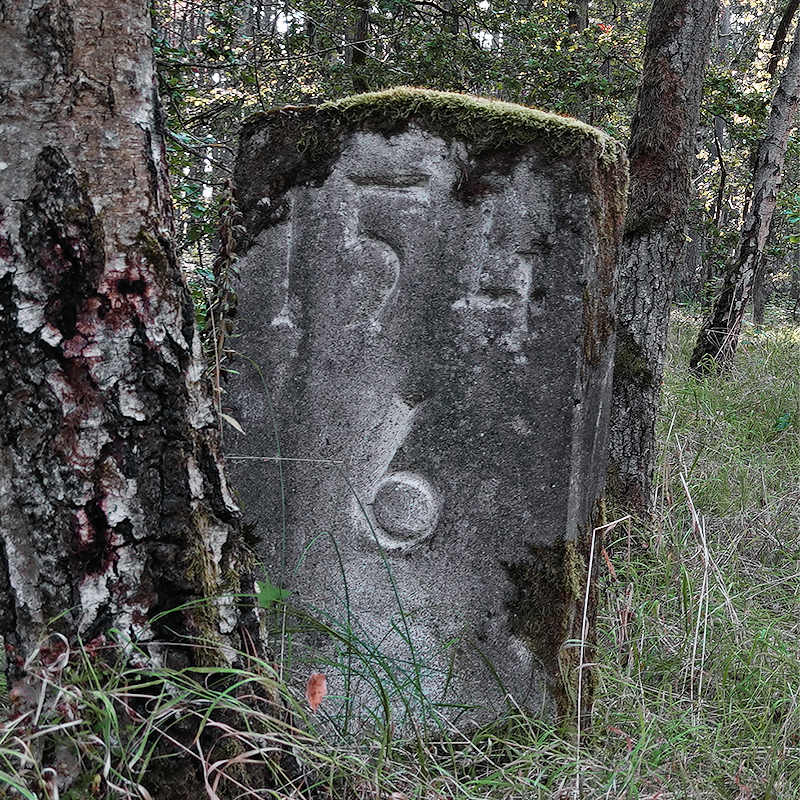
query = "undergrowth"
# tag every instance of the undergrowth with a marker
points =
(698, 663)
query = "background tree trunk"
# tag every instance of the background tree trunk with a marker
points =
(113, 504)
(691, 274)
(760, 293)
(578, 15)
(721, 134)
(794, 291)
(358, 48)
(719, 336)
(780, 36)
(661, 154)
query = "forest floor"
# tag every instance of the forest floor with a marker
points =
(697, 668)
(700, 668)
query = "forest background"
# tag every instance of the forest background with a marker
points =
(219, 62)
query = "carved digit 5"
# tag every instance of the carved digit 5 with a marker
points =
(382, 261)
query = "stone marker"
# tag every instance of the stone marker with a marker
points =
(426, 326)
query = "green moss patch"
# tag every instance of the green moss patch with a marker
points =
(483, 123)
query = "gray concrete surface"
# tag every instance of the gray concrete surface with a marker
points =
(433, 338)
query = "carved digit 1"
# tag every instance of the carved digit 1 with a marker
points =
(283, 319)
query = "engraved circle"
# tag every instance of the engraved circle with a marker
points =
(407, 507)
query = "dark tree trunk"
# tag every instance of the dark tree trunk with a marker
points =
(760, 293)
(691, 276)
(578, 21)
(358, 58)
(780, 36)
(113, 504)
(722, 143)
(719, 336)
(795, 290)
(661, 153)
(451, 17)
(721, 134)
(578, 15)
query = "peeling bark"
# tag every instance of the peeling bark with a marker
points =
(661, 154)
(113, 504)
(719, 337)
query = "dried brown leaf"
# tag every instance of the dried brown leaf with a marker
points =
(316, 689)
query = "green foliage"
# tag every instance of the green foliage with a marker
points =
(269, 595)
(743, 432)
(219, 63)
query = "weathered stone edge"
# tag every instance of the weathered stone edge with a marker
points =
(483, 123)
(296, 145)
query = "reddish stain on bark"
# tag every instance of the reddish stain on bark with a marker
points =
(6, 250)
(84, 531)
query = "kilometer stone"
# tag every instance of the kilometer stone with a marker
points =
(425, 336)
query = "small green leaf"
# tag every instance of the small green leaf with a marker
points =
(783, 421)
(269, 593)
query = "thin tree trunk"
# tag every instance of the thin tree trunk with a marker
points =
(721, 136)
(719, 336)
(690, 278)
(578, 21)
(113, 503)
(451, 17)
(358, 48)
(722, 142)
(661, 153)
(795, 291)
(780, 36)
(578, 15)
(760, 293)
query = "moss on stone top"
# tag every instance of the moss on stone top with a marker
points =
(297, 145)
(485, 123)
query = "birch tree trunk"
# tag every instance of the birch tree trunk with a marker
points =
(719, 336)
(661, 154)
(113, 504)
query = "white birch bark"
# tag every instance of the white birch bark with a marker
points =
(113, 505)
